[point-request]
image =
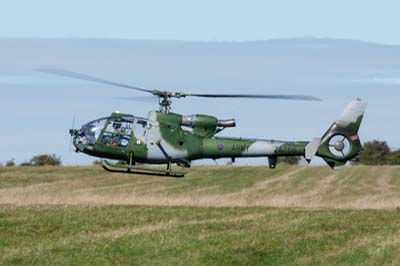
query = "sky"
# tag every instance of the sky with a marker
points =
(369, 20)
(98, 38)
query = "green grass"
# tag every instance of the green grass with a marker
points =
(214, 216)
(137, 235)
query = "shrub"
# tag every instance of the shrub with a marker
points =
(96, 162)
(10, 163)
(45, 159)
(289, 160)
(393, 158)
(374, 153)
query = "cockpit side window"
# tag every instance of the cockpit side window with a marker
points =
(140, 129)
(118, 132)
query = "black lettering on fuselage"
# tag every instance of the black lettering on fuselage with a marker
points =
(240, 147)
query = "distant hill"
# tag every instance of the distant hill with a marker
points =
(100, 54)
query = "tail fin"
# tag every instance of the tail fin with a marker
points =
(341, 142)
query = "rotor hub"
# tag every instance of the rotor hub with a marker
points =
(339, 145)
(165, 104)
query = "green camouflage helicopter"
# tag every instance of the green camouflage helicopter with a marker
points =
(168, 138)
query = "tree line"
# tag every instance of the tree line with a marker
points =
(38, 160)
(378, 153)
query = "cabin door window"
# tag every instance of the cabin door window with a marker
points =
(140, 130)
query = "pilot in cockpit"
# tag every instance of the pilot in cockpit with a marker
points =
(117, 126)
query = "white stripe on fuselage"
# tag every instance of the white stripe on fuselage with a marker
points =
(154, 153)
(263, 148)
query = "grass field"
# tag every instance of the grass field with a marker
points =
(214, 216)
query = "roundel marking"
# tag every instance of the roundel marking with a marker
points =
(220, 147)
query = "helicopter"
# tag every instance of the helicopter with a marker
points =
(167, 138)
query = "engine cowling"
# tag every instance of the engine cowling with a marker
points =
(206, 121)
(206, 125)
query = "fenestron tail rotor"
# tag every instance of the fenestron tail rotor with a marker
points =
(339, 145)
(165, 96)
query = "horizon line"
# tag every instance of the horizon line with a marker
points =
(314, 38)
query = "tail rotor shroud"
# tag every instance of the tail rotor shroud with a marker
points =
(341, 142)
(339, 145)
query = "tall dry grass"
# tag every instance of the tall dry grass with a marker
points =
(358, 187)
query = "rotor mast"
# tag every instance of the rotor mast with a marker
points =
(165, 104)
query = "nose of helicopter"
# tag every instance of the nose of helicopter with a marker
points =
(73, 132)
(85, 138)
(78, 139)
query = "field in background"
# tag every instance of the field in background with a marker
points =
(214, 216)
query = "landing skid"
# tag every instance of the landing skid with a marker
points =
(132, 169)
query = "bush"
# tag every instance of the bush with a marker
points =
(377, 153)
(393, 158)
(121, 163)
(10, 163)
(289, 160)
(45, 159)
(96, 162)
(374, 153)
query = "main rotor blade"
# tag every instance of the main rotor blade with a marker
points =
(75, 75)
(169, 94)
(145, 99)
(258, 96)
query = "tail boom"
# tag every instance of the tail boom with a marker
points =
(338, 145)
(231, 147)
